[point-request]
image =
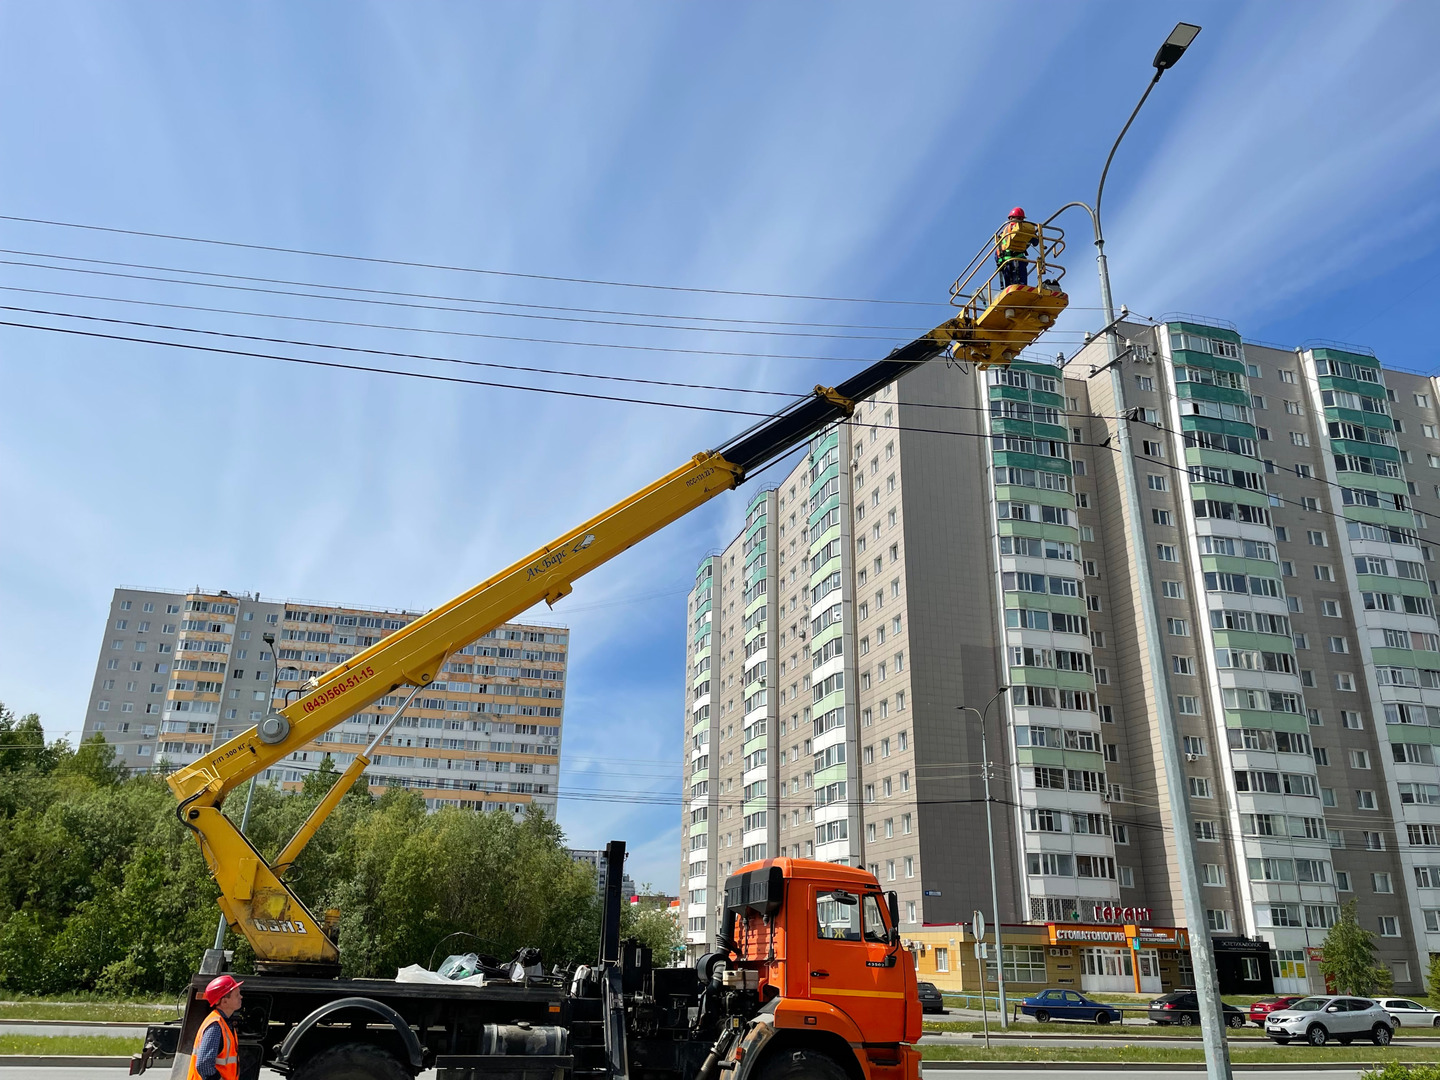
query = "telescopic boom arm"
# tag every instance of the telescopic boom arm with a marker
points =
(254, 899)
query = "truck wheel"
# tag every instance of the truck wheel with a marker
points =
(800, 1065)
(353, 1061)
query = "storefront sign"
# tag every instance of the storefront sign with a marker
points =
(1075, 932)
(1239, 944)
(1162, 937)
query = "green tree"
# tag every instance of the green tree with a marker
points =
(1350, 962)
(22, 744)
(103, 889)
(1432, 977)
(654, 923)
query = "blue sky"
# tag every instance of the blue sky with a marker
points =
(1284, 177)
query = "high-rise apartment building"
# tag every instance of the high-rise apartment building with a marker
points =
(180, 673)
(967, 531)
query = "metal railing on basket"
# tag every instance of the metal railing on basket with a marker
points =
(1000, 311)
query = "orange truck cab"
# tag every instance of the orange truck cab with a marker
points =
(820, 946)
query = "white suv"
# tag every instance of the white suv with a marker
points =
(1317, 1020)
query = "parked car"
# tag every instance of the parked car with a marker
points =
(930, 999)
(1183, 1008)
(1407, 1013)
(1317, 1020)
(1068, 1005)
(1262, 1008)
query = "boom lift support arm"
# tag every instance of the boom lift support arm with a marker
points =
(284, 934)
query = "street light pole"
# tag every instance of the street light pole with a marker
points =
(994, 887)
(1212, 1021)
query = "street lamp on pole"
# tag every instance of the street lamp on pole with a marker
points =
(994, 887)
(1217, 1051)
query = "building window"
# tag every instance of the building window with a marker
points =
(1216, 920)
(1365, 800)
(1381, 883)
(1182, 665)
(1389, 926)
(1166, 553)
(1212, 874)
(1172, 590)
(942, 959)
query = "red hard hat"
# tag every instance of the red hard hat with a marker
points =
(219, 987)
(1017, 212)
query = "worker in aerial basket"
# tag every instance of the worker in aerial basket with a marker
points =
(1014, 240)
(217, 1052)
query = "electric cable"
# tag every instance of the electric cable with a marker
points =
(398, 355)
(311, 253)
(263, 279)
(425, 296)
(411, 305)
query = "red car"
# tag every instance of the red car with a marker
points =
(1268, 1005)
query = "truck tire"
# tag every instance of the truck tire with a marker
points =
(353, 1061)
(800, 1065)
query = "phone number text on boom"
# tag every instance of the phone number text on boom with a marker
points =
(335, 689)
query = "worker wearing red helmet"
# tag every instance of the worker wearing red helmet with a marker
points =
(217, 1052)
(1015, 238)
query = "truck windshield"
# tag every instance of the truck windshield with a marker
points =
(850, 922)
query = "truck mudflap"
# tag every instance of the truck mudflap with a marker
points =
(161, 1043)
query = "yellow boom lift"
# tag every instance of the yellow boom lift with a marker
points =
(995, 323)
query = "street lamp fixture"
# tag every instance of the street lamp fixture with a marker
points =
(1175, 45)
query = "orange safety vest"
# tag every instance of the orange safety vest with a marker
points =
(227, 1062)
(1014, 239)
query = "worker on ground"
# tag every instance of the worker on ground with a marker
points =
(1015, 238)
(216, 1054)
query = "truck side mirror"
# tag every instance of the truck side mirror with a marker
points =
(840, 896)
(893, 901)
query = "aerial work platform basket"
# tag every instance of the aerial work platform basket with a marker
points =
(997, 320)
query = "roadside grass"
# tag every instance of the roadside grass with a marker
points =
(88, 1011)
(88, 1045)
(1298, 1055)
(1139, 1031)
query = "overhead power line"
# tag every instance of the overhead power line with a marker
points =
(316, 254)
(430, 376)
(576, 318)
(374, 296)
